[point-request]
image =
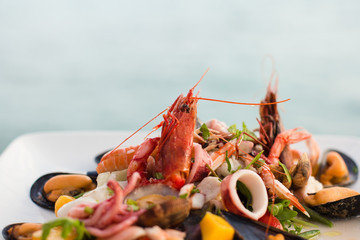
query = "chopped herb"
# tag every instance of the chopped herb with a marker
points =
(184, 196)
(251, 133)
(233, 171)
(151, 205)
(195, 190)
(316, 216)
(244, 195)
(234, 131)
(286, 214)
(254, 160)
(228, 162)
(88, 210)
(309, 234)
(79, 195)
(158, 175)
(205, 133)
(132, 205)
(286, 171)
(237, 133)
(304, 223)
(68, 226)
(110, 191)
(213, 172)
(275, 208)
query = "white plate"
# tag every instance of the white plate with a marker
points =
(31, 156)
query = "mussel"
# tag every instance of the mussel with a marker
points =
(20, 230)
(335, 202)
(169, 213)
(337, 169)
(46, 198)
(248, 229)
(245, 228)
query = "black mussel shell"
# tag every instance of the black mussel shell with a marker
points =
(5, 231)
(99, 156)
(344, 208)
(37, 194)
(350, 163)
(248, 229)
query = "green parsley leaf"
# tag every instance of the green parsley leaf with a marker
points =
(151, 205)
(244, 195)
(228, 162)
(88, 210)
(79, 195)
(158, 175)
(132, 205)
(205, 133)
(309, 234)
(234, 131)
(251, 133)
(184, 196)
(195, 190)
(212, 171)
(254, 160)
(286, 214)
(68, 225)
(110, 191)
(286, 171)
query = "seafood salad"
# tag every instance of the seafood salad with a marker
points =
(201, 180)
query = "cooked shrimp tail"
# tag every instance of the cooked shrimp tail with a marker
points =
(278, 188)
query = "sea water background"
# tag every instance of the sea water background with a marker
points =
(113, 65)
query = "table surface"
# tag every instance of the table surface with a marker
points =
(90, 65)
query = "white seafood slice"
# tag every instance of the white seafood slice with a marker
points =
(210, 187)
(197, 201)
(219, 126)
(99, 194)
(255, 185)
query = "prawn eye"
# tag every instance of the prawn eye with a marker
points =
(185, 108)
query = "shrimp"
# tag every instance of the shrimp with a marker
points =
(278, 188)
(139, 161)
(271, 124)
(285, 138)
(117, 159)
(176, 142)
(219, 156)
(277, 139)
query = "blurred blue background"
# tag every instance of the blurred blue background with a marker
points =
(113, 65)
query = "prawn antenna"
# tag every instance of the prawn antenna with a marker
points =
(201, 78)
(140, 129)
(240, 103)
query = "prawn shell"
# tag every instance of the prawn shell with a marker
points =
(340, 209)
(249, 229)
(38, 195)
(100, 155)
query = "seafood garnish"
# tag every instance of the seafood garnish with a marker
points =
(47, 188)
(248, 184)
(337, 169)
